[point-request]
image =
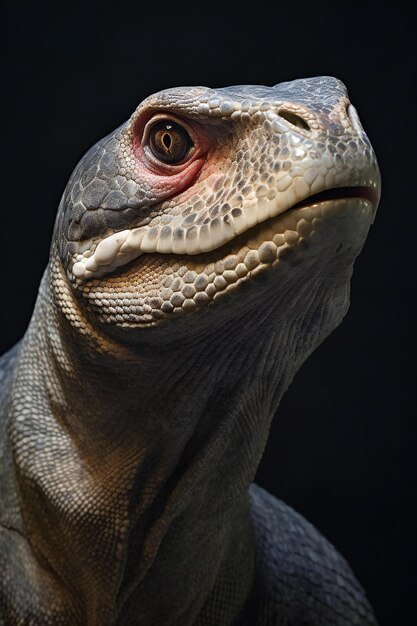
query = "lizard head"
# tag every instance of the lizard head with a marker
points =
(205, 191)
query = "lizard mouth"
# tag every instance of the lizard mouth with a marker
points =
(328, 227)
(119, 249)
(340, 193)
(297, 222)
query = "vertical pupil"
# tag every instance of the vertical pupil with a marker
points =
(166, 140)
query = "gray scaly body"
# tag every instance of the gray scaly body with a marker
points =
(201, 252)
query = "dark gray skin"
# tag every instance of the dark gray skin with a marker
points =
(135, 411)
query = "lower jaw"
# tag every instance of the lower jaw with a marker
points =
(156, 288)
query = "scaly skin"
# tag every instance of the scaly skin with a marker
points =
(179, 301)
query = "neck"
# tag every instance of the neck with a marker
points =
(143, 456)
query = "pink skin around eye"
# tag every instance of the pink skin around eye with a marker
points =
(166, 180)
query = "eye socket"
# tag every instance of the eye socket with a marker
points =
(169, 142)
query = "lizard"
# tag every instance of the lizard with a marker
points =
(201, 252)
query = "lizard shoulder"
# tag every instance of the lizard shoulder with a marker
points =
(301, 578)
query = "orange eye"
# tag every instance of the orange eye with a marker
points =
(169, 142)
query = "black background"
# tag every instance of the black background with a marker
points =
(342, 450)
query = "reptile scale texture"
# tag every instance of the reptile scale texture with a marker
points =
(201, 252)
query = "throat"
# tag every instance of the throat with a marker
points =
(127, 489)
(136, 467)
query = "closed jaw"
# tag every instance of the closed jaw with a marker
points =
(120, 248)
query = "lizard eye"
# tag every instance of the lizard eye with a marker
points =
(169, 142)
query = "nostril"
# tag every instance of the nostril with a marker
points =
(294, 119)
